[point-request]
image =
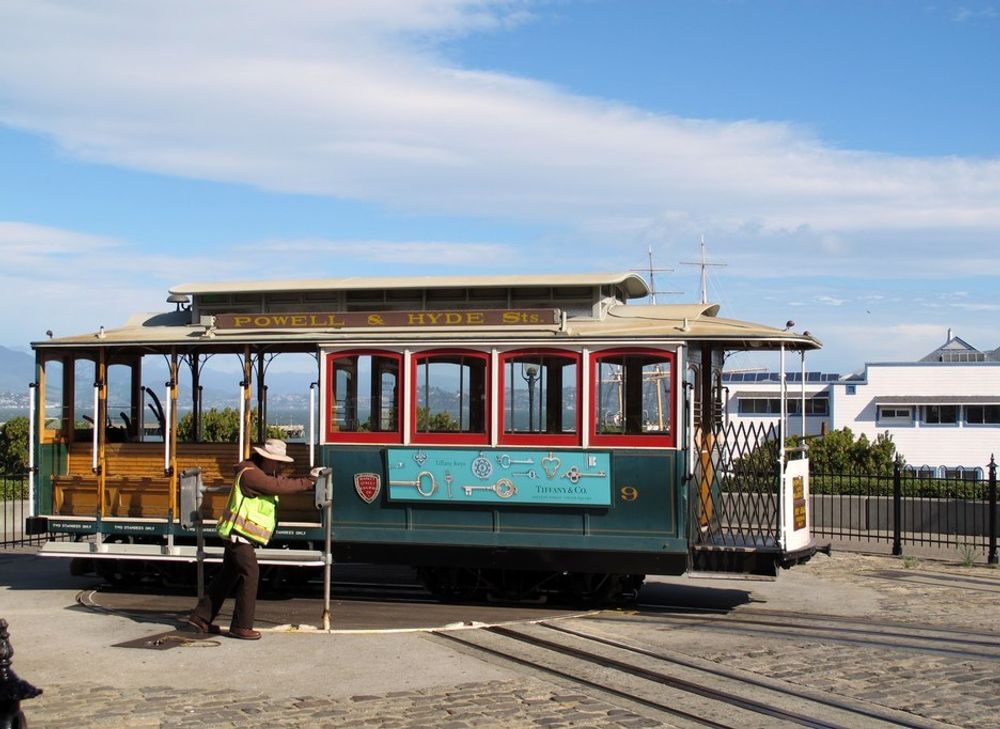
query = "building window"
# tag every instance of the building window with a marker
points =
(941, 414)
(982, 414)
(364, 397)
(772, 406)
(894, 415)
(450, 397)
(961, 473)
(633, 398)
(759, 406)
(540, 395)
(851, 389)
(814, 406)
(963, 357)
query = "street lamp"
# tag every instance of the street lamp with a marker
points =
(529, 373)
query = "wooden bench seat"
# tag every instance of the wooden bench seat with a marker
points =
(135, 484)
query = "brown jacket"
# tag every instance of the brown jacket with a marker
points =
(257, 483)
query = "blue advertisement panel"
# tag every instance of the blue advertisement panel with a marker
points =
(570, 478)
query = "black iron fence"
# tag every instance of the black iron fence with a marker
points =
(910, 507)
(14, 510)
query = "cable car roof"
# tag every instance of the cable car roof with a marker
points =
(630, 284)
(620, 322)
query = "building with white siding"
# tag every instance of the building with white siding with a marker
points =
(942, 411)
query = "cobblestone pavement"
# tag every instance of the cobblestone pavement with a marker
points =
(923, 590)
(523, 703)
(954, 690)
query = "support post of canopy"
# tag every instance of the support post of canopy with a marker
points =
(782, 410)
(67, 412)
(135, 431)
(245, 410)
(261, 399)
(100, 437)
(170, 436)
(802, 403)
(195, 365)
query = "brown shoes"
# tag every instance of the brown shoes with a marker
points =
(201, 626)
(244, 633)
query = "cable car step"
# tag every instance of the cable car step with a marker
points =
(177, 553)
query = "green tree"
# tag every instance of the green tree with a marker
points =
(436, 423)
(14, 446)
(218, 426)
(839, 452)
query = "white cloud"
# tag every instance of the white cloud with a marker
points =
(358, 100)
(830, 300)
(965, 14)
(355, 100)
(76, 282)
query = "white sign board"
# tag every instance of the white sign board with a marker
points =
(795, 513)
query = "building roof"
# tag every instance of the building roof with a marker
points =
(632, 284)
(955, 349)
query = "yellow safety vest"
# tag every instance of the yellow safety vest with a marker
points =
(252, 517)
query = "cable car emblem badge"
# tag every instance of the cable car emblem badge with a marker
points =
(368, 486)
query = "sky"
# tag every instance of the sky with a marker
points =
(841, 159)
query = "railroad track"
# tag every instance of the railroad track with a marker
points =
(912, 637)
(673, 688)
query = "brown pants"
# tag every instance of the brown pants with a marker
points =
(239, 570)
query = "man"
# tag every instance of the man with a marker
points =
(247, 523)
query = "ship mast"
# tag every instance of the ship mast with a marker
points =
(650, 270)
(703, 264)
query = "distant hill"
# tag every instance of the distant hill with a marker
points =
(17, 369)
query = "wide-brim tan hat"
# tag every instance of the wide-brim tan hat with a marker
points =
(275, 450)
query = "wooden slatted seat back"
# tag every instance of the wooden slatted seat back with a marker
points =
(136, 485)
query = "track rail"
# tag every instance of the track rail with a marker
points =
(603, 687)
(913, 637)
(723, 695)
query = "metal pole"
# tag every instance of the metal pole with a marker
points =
(97, 395)
(783, 394)
(802, 403)
(200, 554)
(312, 424)
(31, 447)
(897, 507)
(992, 558)
(327, 562)
(243, 407)
(167, 424)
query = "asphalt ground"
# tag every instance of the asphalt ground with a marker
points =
(110, 657)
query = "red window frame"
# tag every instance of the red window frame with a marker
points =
(539, 439)
(453, 437)
(626, 440)
(382, 436)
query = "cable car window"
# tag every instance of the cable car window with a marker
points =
(450, 394)
(363, 397)
(633, 396)
(540, 396)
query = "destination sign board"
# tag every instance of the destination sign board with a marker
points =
(389, 319)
